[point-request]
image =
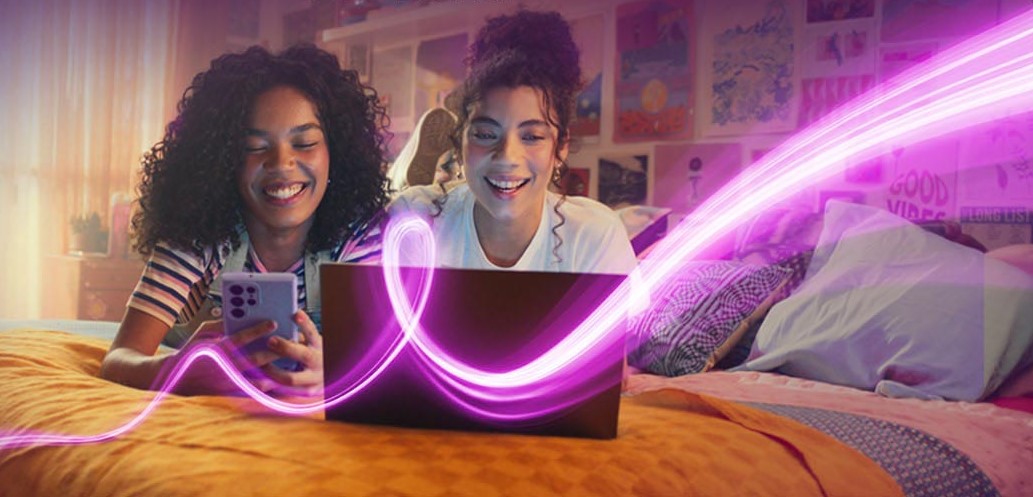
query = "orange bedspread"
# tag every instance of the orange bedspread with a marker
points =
(670, 443)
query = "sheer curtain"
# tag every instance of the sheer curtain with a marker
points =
(84, 91)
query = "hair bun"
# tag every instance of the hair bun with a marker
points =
(541, 40)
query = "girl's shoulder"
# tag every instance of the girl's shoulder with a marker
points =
(428, 200)
(584, 211)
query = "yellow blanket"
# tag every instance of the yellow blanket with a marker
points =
(669, 443)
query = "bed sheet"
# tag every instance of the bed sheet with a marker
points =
(998, 440)
(670, 443)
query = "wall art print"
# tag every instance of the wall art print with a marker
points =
(654, 81)
(587, 33)
(623, 180)
(750, 68)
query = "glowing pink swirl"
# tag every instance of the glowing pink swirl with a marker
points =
(989, 76)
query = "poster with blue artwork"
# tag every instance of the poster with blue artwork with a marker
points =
(751, 80)
(587, 33)
(654, 77)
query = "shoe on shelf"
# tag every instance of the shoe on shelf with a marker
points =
(433, 139)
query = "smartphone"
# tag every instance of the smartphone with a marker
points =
(251, 298)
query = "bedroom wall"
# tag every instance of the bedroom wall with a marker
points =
(833, 50)
(406, 48)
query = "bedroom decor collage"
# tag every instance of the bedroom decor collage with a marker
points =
(680, 96)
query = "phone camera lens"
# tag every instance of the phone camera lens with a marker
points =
(236, 289)
(251, 289)
(237, 301)
(251, 302)
(237, 313)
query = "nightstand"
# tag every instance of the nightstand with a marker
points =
(88, 287)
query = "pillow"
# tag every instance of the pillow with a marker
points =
(1019, 255)
(887, 306)
(695, 313)
(645, 226)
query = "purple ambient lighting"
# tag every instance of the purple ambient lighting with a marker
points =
(987, 77)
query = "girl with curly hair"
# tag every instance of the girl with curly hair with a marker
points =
(273, 164)
(513, 136)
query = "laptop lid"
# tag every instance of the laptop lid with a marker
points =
(477, 330)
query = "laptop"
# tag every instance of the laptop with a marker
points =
(492, 321)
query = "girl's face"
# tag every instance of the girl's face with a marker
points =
(508, 148)
(286, 162)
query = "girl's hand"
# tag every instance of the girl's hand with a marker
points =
(307, 382)
(205, 377)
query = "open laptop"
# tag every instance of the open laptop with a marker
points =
(491, 320)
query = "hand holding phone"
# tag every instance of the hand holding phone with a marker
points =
(251, 298)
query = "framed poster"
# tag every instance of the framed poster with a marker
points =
(924, 182)
(687, 174)
(996, 164)
(623, 180)
(819, 96)
(587, 33)
(653, 84)
(750, 75)
(997, 226)
(838, 49)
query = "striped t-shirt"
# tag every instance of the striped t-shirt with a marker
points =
(175, 283)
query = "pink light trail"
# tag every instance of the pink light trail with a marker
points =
(987, 77)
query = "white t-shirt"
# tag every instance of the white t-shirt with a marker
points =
(593, 238)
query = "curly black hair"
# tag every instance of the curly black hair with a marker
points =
(527, 48)
(188, 196)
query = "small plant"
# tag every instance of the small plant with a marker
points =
(85, 224)
(86, 234)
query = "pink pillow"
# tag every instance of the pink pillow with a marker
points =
(1020, 256)
(1020, 384)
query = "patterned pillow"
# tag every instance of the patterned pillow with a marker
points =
(694, 313)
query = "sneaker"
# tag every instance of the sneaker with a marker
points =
(433, 139)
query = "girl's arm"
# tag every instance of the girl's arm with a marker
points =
(131, 360)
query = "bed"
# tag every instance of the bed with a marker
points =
(741, 431)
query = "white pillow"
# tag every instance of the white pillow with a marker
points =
(887, 306)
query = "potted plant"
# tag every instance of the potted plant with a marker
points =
(86, 234)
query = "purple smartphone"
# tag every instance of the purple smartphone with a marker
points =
(250, 298)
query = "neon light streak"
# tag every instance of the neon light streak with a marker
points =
(989, 76)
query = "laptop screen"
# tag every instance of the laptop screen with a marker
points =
(481, 357)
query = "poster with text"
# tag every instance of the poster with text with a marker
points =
(392, 78)
(996, 164)
(439, 69)
(623, 180)
(587, 33)
(997, 226)
(910, 20)
(685, 175)
(819, 96)
(894, 60)
(750, 74)
(923, 181)
(653, 85)
(838, 49)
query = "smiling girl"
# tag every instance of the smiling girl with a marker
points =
(512, 139)
(273, 164)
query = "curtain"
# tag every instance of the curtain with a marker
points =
(84, 91)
